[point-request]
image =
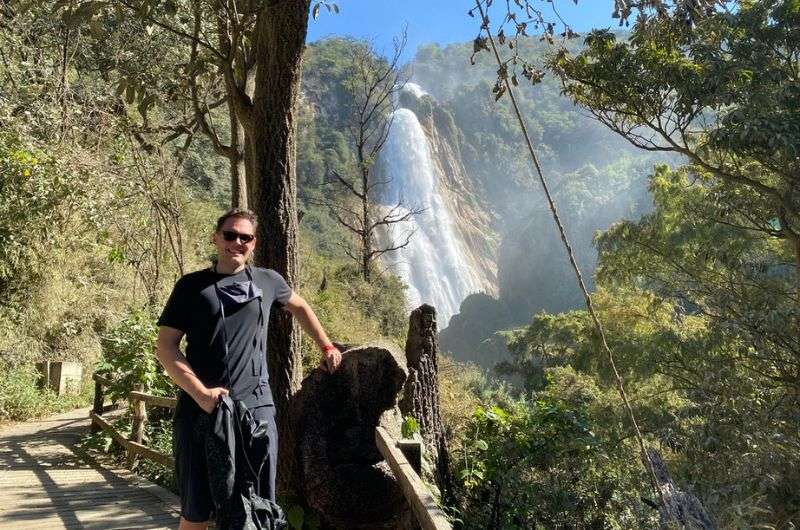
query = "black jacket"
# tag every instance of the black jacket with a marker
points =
(234, 488)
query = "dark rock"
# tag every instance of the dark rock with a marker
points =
(343, 474)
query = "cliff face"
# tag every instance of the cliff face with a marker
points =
(472, 215)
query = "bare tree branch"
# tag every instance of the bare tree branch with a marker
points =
(199, 112)
(373, 84)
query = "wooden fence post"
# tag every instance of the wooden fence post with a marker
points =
(139, 420)
(97, 408)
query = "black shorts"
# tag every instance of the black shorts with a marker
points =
(191, 471)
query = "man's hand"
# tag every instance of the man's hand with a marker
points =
(331, 359)
(210, 397)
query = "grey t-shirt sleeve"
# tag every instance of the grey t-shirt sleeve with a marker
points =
(176, 311)
(279, 286)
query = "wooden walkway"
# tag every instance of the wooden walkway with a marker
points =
(45, 484)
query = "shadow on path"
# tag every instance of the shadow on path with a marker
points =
(44, 483)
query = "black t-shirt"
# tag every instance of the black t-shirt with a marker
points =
(194, 308)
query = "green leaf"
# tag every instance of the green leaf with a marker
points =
(116, 255)
(410, 427)
(499, 413)
(312, 521)
(295, 515)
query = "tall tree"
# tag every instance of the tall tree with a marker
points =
(374, 86)
(247, 55)
(716, 84)
(722, 92)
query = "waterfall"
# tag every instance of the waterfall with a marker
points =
(433, 264)
(415, 89)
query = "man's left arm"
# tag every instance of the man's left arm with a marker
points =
(309, 322)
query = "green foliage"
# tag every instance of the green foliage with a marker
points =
(158, 436)
(462, 388)
(21, 398)
(129, 359)
(545, 463)
(299, 515)
(731, 347)
(323, 143)
(699, 297)
(410, 427)
(37, 199)
(351, 310)
(722, 93)
(696, 311)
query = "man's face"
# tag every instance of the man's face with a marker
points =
(234, 253)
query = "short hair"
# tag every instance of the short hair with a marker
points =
(237, 212)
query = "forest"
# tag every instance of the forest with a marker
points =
(670, 147)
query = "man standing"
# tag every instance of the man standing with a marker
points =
(224, 311)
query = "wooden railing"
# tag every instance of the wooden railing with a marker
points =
(133, 445)
(426, 510)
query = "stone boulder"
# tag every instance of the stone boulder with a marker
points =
(342, 473)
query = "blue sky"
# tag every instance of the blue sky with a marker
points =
(441, 21)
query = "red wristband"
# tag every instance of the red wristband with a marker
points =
(329, 347)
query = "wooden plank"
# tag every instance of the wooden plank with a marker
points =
(93, 491)
(105, 425)
(151, 454)
(16, 477)
(158, 401)
(43, 507)
(45, 486)
(412, 450)
(110, 407)
(119, 515)
(424, 506)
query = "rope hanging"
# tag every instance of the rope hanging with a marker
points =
(587, 297)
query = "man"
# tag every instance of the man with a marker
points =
(224, 311)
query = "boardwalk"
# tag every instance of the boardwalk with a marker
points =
(44, 484)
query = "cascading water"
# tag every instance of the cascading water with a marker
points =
(433, 264)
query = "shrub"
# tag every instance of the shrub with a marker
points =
(542, 463)
(22, 399)
(129, 357)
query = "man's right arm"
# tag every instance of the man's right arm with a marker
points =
(181, 373)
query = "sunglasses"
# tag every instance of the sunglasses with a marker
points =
(230, 235)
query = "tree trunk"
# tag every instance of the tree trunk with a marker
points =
(271, 180)
(238, 166)
(797, 267)
(238, 171)
(797, 309)
(681, 507)
(366, 236)
(421, 395)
